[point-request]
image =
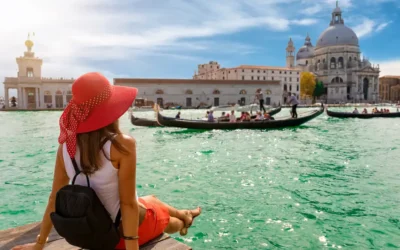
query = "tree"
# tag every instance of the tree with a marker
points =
(318, 90)
(307, 85)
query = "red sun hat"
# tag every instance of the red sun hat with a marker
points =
(95, 104)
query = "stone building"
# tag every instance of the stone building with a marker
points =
(336, 61)
(33, 90)
(192, 92)
(389, 88)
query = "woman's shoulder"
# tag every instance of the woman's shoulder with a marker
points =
(126, 140)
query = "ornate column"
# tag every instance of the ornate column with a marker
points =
(7, 103)
(20, 98)
(53, 100)
(37, 97)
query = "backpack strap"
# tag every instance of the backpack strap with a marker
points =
(77, 172)
(118, 219)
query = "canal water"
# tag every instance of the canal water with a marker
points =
(328, 184)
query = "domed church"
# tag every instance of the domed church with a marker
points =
(336, 61)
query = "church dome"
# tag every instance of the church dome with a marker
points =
(306, 51)
(337, 33)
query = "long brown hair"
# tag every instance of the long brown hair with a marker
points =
(91, 143)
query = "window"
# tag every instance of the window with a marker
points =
(264, 71)
(272, 78)
(29, 72)
(223, 72)
(243, 92)
(258, 78)
(235, 70)
(297, 72)
(47, 97)
(290, 87)
(188, 102)
(216, 101)
(252, 77)
(223, 78)
(258, 71)
(252, 71)
(333, 63)
(285, 79)
(297, 79)
(217, 67)
(242, 77)
(285, 72)
(216, 92)
(297, 87)
(290, 72)
(280, 72)
(69, 95)
(290, 79)
(264, 78)
(211, 66)
(159, 92)
(189, 92)
(242, 70)
(272, 71)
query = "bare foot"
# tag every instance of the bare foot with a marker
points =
(188, 220)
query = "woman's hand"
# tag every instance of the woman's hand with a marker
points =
(29, 246)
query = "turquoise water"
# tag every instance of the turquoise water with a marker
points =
(328, 184)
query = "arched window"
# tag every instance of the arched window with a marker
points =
(337, 80)
(159, 92)
(268, 92)
(216, 92)
(47, 97)
(59, 92)
(243, 92)
(29, 72)
(69, 96)
(333, 63)
(340, 63)
(189, 92)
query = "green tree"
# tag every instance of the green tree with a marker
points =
(318, 90)
(307, 85)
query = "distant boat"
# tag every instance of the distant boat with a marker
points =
(224, 107)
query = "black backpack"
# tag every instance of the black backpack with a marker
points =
(81, 218)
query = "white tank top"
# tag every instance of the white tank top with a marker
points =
(104, 181)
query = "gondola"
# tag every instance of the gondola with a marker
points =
(362, 116)
(144, 122)
(205, 125)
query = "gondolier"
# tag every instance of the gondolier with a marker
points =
(260, 97)
(293, 100)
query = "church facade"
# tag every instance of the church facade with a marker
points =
(336, 61)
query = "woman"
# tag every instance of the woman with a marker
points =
(89, 133)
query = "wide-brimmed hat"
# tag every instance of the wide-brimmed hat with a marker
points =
(95, 104)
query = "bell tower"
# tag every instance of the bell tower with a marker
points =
(29, 65)
(290, 49)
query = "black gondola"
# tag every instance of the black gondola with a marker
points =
(362, 116)
(205, 125)
(144, 122)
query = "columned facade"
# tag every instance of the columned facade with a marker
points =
(33, 90)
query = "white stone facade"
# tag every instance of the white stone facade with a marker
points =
(34, 91)
(192, 93)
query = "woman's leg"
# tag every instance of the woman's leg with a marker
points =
(183, 215)
(175, 225)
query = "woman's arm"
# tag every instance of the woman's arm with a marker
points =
(127, 192)
(60, 180)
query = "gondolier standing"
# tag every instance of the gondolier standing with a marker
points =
(260, 97)
(293, 100)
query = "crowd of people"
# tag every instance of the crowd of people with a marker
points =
(374, 111)
(244, 117)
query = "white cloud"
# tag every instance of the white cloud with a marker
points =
(382, 26)
(390, 67)
(365, 28)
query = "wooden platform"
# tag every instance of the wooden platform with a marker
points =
(26, 234)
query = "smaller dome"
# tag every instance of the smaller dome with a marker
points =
(306, 51)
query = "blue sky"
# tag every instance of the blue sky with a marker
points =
(169, 38)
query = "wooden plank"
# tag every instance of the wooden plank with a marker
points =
(27, 234)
